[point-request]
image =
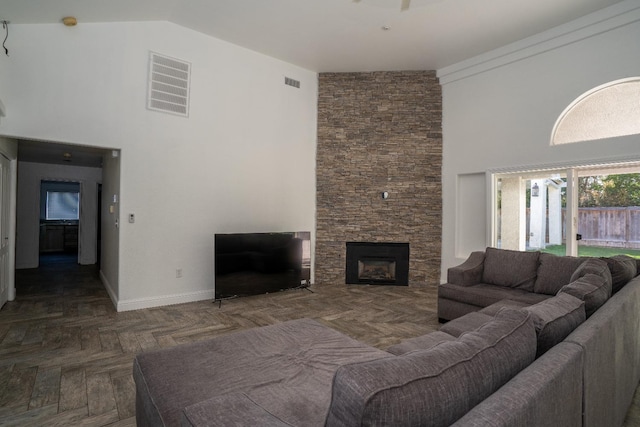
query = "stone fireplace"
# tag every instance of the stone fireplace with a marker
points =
(377, 263)
(378, 171)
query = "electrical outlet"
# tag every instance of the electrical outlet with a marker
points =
(178, 273)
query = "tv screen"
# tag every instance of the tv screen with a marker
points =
(258, 263)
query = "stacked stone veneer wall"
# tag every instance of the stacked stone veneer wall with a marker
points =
(379, 131)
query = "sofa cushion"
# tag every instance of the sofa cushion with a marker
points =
(546, 393)
(233, 409)
(556, 318)
(437, 386)
(554, 272)
(466, 323)
(592, 266)
(493, 309)
(594, 290)
(514, 269)
(483, 295)
(623, 268)
(293, 360)
(423, 342)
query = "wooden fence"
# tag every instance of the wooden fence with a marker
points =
(610, 227)
(604, 227)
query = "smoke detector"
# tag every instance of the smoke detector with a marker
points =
(69, 21)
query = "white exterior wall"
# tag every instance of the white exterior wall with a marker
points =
(499, 110)
(244, 160)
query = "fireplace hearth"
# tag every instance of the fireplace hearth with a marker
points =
(371, 263)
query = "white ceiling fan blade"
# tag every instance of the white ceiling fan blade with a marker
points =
(405, 4)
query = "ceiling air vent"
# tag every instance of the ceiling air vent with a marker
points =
(168, 85)
(291, 82)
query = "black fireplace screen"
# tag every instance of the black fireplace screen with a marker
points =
(377, 263)
(376, 269)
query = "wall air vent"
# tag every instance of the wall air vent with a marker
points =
(291, 82)
(169, 80)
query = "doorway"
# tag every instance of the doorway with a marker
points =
(59, 217)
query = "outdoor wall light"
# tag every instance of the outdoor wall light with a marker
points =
(535, 190)
(384, 195)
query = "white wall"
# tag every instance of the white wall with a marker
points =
(243, 161)
(499, 110)
(9, 149)
(28, 209)
(110, 217)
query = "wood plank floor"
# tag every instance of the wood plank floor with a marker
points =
(66, 355)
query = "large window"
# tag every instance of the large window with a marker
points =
(607, 111)
(586, 211)
(62, 205)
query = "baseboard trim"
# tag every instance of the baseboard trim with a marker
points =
(159, 301)
(109, 288)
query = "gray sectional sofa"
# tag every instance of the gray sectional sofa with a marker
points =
(570, 359)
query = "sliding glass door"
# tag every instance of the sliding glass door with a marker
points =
(609, 211)
(529, 210)
(585, 210)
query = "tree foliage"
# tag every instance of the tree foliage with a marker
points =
(609, 190)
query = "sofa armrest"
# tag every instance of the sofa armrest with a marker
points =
(469, 272)
(227, 410)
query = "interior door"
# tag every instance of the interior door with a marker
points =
(4, 229)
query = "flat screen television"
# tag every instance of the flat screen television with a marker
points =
(258, 263)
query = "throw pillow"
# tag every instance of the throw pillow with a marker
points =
(554, 272)
(594, 290)
(592, 266)
(555, 318)
(514, 269)
(623, 268)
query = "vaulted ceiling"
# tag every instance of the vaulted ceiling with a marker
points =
(320, 35)
(334, 35)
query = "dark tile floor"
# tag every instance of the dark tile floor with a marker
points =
(66, 354)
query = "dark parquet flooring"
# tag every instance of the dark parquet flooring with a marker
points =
(66, 355)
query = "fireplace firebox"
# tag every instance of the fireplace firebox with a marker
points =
(371, 263)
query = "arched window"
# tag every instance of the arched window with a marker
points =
(606, 111)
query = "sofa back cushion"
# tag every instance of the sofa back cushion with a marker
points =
(514, 269)
(436, 386)
(593, 289)
(555, 318)
(592, 266)
(554, 272)
(623, 268)
(422, 342)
